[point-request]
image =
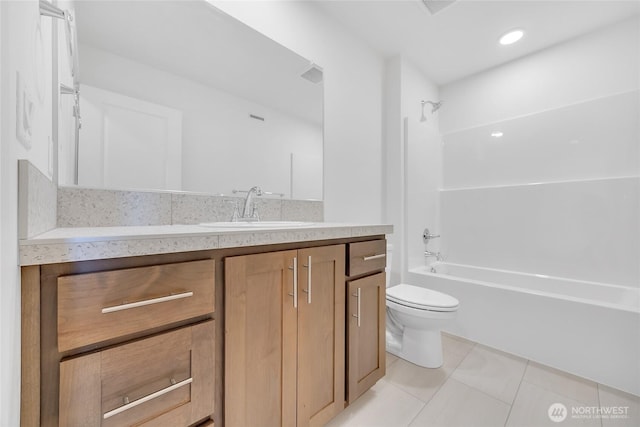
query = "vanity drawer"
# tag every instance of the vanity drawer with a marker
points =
(165, 380)
(96, 307)
(365, 257)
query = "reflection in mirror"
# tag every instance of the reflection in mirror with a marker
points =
(177, 95)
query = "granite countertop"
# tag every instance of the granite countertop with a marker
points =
(88, 243)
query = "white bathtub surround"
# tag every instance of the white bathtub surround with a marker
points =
(586, 328)
(87, 207)
(566, 167)
(478, 385)
(533, 209)
(599, 135)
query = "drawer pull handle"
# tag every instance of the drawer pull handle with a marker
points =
(127, 306)
(369, 258)
(146, 398)
(357, 316)
(308, 290)
(295, 282)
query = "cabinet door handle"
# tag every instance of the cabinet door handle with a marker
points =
(308, 290)
(146, 398)
(295, 282)
(357, 316)
(372, 257)
(127, 306)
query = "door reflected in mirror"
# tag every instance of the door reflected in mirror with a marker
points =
(177, 95)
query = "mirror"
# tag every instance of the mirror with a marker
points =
(177, 95)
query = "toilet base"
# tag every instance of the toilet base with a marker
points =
(418, 346)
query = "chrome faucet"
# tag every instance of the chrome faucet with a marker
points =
(426, 237)
(437, 255)
(249, 211)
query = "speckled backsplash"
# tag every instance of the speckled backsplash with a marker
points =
(36, 201)
(84, 207)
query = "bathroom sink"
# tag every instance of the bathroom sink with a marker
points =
(257, 224)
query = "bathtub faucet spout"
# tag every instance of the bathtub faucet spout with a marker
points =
(437, 255)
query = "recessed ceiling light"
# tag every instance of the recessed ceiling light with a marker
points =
(511, 37)
(497, 134)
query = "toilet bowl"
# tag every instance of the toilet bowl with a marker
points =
(415, 317)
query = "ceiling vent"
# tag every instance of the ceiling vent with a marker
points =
(436, 6)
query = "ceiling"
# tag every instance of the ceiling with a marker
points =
(461, 39)
(191, 39)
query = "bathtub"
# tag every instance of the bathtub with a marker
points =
(586, 328)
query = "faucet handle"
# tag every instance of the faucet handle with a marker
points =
(257, 190)
(254, 214)
(426, 236)
(270, 193)
(235, 217)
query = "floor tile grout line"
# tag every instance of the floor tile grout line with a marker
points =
(551, 390)
(515, 396)
(448, 377)
(439, 387)
(424, 405)
(483, 392)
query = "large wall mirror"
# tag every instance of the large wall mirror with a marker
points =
(177, 95)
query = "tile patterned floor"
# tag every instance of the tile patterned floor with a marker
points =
(480, 386)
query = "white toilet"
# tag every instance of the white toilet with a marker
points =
(415, 316)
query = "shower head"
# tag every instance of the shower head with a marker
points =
(434, 107)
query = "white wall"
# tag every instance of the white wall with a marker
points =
(394, 166)
(353, 79)
(216, 127)
(412, 164)
(423, 153)
(570, 117)
(18, 28)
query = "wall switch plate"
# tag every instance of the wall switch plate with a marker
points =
(25, 107)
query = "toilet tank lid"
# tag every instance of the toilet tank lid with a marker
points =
(416, 295)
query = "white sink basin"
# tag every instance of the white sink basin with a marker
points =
(257, 224)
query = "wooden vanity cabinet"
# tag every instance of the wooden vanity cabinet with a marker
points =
(284, 337)
(120, 342)
(366, 309)
(249, 336)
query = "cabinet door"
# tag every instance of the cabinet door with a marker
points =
(366, 334)
(321, 327)
(260, 340)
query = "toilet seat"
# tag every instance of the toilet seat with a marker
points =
(421, 298)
